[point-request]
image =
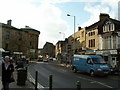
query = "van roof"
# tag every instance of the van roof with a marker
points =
(92, 56)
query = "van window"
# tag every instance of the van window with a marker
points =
(98, 61)
(89, 61)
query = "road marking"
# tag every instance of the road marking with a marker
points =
(114, 78)
(32, 80)
(93, 81)
(62, 70)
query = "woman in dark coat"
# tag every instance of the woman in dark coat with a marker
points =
(7, 70)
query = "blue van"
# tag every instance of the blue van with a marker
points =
(92, 64)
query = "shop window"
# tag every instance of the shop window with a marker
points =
(92, 43)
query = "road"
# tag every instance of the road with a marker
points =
(63, 77)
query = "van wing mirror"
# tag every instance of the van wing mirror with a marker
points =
(89, 62)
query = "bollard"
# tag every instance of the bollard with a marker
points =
(78, 85)
(26, 72)
(36, 80)
(26, 69)
(50, 82)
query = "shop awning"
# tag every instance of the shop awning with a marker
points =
(2, 50)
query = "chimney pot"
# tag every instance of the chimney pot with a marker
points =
(9, 22)
(103, 16)
(79, 28)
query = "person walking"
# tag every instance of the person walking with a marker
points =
(7, 71)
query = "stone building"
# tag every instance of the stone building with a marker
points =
(77, 42)
(109, 42)
(48, 50)
(92, 36)
(61, 52)
(40, 52)
(23, 42)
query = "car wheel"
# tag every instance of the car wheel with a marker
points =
(92, 73)
(74, 70)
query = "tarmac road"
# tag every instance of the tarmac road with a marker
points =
(64, 78)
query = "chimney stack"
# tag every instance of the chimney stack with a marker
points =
(9, 22)
(103, 16)
(79, 28)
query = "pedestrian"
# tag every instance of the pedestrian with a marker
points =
(19, 63)
(7, 71)
(1, 60)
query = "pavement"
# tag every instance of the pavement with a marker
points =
(13, 86)
(28, 85)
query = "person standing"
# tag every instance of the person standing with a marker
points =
(7, 70)
(1, 60)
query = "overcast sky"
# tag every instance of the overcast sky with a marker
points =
(50, 16)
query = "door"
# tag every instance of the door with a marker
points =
(89, 65)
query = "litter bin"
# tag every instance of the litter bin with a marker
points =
(21, 76)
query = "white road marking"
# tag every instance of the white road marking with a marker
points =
(63, 70)
(93, 81)
(32, 80)
(114, 78)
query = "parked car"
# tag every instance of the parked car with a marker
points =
(40, 59)
(45, 60)
(92, 64)
(51, 59)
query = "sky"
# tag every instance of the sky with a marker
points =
(50, 16)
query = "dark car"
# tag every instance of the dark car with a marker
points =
(45, 60)
(51, 59)
(40, 59)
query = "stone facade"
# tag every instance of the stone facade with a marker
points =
(22, 41)
(92, 38)
(48, 50)
(61, 48)
(77, 41)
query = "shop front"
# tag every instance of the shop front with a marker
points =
(112, 57)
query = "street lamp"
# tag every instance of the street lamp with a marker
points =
(74, 28)
(63, 35)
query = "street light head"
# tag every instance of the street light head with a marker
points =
(68, 14)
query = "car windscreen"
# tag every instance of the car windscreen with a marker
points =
(98, 61)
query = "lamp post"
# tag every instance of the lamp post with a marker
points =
(74, 31)
(63, 35)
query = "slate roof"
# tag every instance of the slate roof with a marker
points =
(8, 26)
(100, 24)
(29, 28)
(12, 27)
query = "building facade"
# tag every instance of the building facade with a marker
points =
(48, 50)
(110, 42)
(101, 38)
(92, 37)
(22, 41)
(76, 43)
(61, 51)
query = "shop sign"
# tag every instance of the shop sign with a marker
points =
(113, 51)
(32, 50)
(17, 53)
(107, 52)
